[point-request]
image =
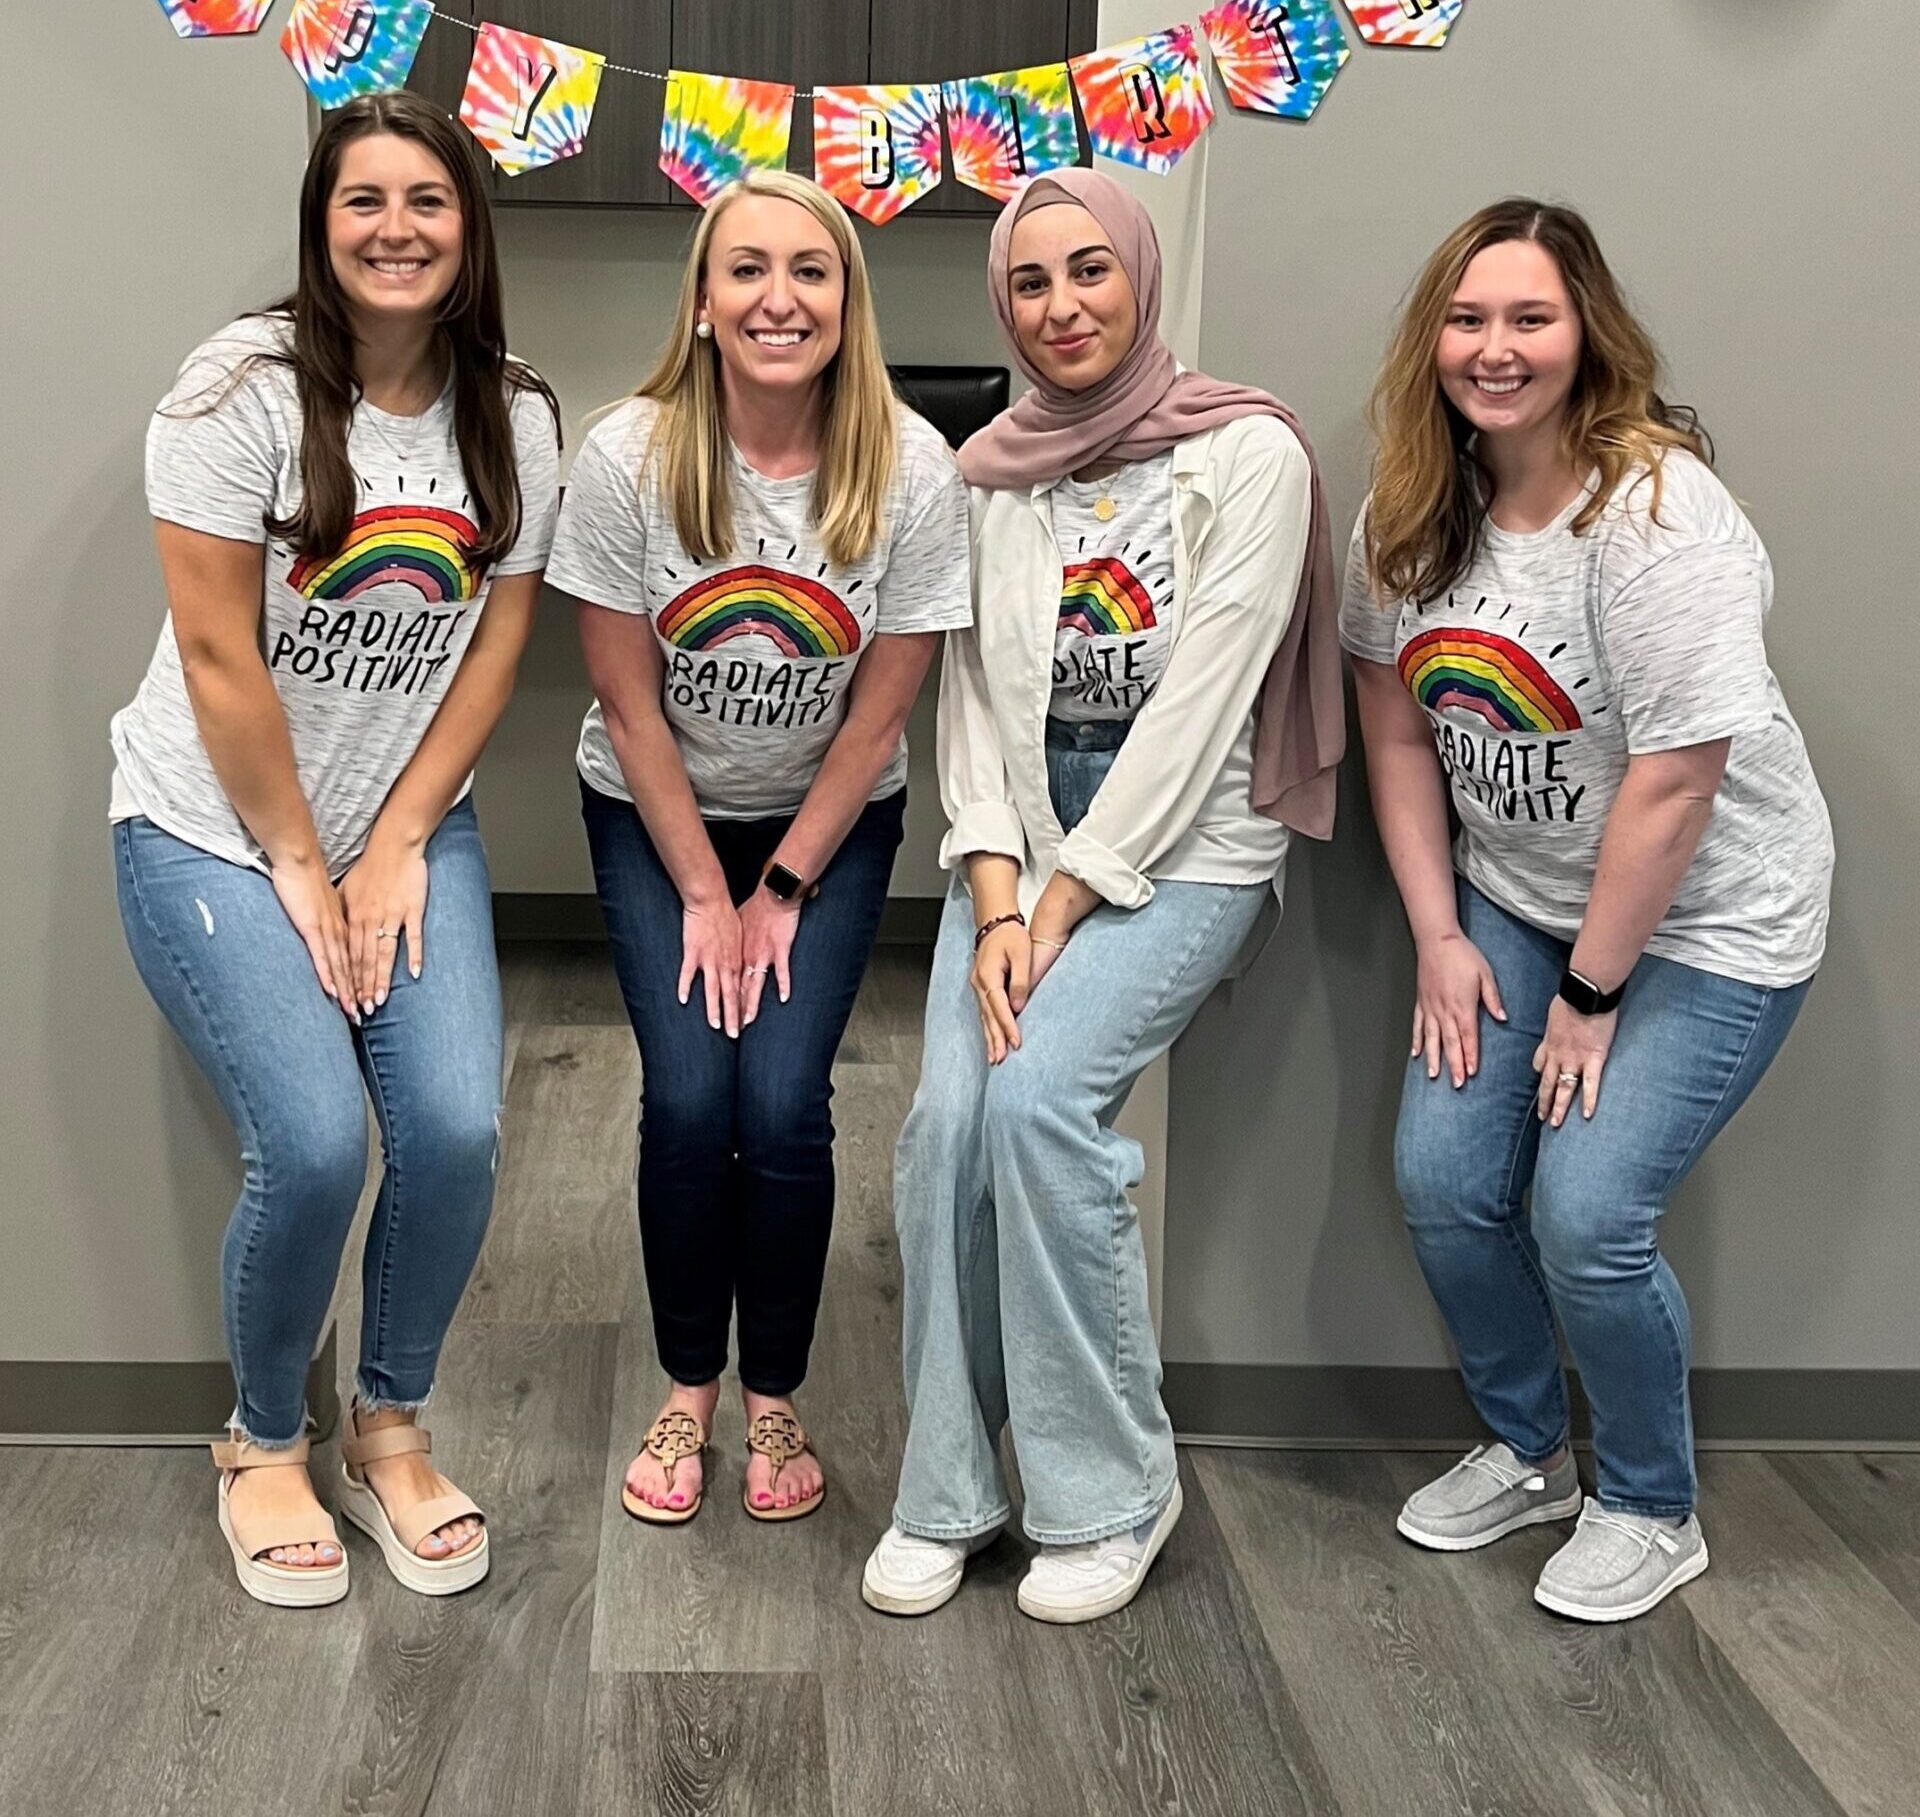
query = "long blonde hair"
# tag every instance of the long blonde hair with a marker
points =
(859, 422)
(1430, 490)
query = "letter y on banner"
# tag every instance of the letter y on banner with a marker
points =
(877, 149)
(1146, 101)
(344, 48)
(529, 100)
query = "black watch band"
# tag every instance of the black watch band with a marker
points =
(1587, 997)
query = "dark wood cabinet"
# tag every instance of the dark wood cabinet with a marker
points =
(810, 43)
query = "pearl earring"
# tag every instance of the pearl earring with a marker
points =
(704, 330)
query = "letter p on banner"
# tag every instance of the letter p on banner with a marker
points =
(1145, 101)
(877, 149)
(529, 100)
(344, 48)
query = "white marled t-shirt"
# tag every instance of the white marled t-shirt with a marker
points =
(759, 646)
(1555, 657)
(1116, 591)
(361, 645)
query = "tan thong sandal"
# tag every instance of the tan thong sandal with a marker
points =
(397, 1537)
(781, 1437)
(674, 1435)
(284, 1586)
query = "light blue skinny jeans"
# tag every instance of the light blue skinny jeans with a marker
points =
(1025, 1301)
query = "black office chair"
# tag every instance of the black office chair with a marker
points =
(956, 400)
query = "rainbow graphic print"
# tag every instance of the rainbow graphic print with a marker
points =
(344, 48)
(717, 128)
(1483, 673)
(1145, 101)
(423, 547)
(1004, 129)
(801, 616)
(878, 148)
(1420, 24)
(214, 18)
(529, 100)
(1277, 59)
(1101, 598)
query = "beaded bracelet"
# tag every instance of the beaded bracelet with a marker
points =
(986, 927)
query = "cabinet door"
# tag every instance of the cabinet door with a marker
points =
(440, 65)
(938, 40)
(621, 161)
(809, 43)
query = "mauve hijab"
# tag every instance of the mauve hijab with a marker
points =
(1140, 409)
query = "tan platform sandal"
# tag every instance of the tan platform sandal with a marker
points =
(674, 1435)
(398, 1538)
(782, 1438)
(284, 1586)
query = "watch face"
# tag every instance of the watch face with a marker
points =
(784, 883)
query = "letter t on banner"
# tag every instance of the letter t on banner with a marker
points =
(1277, 59)
(344, 48)
(529, 100)
(1146, 101)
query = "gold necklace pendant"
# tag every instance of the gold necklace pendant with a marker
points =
(1104, 508)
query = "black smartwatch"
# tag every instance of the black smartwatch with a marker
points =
(1587, 997)
(787, 883)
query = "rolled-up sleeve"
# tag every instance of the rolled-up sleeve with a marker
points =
(1240, 599)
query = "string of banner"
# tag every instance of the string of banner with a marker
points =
(529, 100)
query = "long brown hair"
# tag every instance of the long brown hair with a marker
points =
(1430, 489)
(470, 337)
(860, 416)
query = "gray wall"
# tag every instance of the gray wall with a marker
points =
(1738, 160)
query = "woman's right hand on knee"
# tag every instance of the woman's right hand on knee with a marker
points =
(710, 951)
(1002, 970)
(1454, 980)
(313, 906)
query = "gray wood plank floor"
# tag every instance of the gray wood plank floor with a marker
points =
(1291, 1654)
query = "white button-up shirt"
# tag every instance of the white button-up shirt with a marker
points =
(1177, 803)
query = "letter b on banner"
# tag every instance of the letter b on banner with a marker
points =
(876, 149)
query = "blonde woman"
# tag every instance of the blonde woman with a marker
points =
(1555, 610)
(766, 546)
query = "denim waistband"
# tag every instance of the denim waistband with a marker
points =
(1087, 734)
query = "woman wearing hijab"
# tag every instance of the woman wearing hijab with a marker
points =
(1148, 707)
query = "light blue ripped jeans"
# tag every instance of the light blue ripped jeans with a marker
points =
(1025, 1301)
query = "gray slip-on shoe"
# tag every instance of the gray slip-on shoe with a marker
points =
(1618, 1566)
(1487, 1495)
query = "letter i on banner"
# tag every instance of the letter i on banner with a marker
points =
(1277, 59)
(1007, 128)
(1419, 24)
(877, 149)
(1146, 101)
(529, 100)
(214, 18)
(344, 48)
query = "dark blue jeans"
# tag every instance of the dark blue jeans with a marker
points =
(736, 1137)
(1690, 1047)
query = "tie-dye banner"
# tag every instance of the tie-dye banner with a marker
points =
(214, 18)
(1277, 59)
(344, 48)
(1145, 101)
(1004, 129)
(1423, 24)
(877, 149)
(529, 100)
(717, 128)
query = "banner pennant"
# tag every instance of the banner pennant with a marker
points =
(344, 48)
(214, 18)
(1277, 59)
(877, 149)
(1145, 101)
(529, 100)
(717, 128)
(1421, 24)
(1004, 129)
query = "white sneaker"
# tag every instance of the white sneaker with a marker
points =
(908, 1575)
(1082, 1583)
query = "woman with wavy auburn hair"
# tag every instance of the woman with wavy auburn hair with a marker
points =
(353, 494)
(765, 546)
(1555, 611)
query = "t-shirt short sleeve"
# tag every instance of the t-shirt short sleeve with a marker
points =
(536, 446)
(926, 586)
(1682, 639)
(215, 445)
(1367, 628)
(600, 544)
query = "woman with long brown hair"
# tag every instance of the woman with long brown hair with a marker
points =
(1555, 611)
(353, 494)
(765, 546)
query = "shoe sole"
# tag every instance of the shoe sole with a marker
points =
(423, 1576)
(1472, 1542)
(283, 1586)
(1684, 1574)
(1116, 1599)
(922, 1602)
